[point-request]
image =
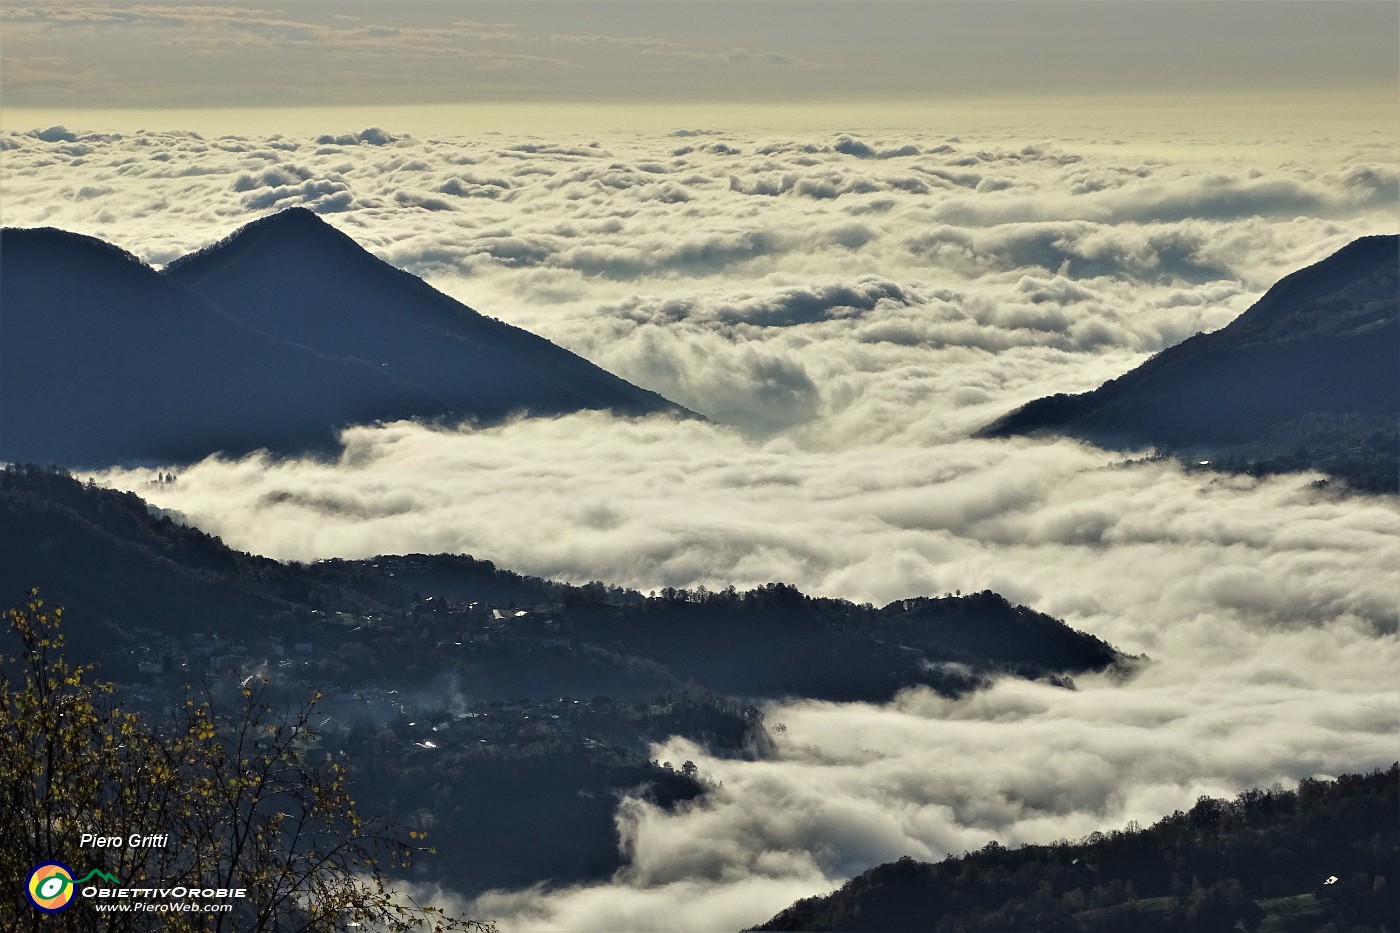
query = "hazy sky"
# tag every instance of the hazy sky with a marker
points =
(71, 55)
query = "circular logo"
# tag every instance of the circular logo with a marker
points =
(50, 887)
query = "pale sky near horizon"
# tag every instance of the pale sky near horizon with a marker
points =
(1340, 57)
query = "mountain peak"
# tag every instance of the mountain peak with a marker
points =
(1368, 263)
(296, 230)
(295, 277)
(299, 218)
(1304, 379)
(275, 337)
(291, 213)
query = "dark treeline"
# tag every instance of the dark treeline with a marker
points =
(777, 641)
(133, 576)
(1323, 858)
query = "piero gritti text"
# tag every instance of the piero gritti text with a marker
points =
(132, 841)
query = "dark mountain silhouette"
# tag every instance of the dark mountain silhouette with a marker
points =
(118, 565)
(776, 641)
(296, 277)
(1308, 377)
(107, 360)
(515, 710)
(1259, 862)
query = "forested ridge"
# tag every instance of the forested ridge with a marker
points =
(132, 575)
(507, 712)
(1322, 858)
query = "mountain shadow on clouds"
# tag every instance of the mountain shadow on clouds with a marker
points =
(1307, 378)
(295, 277)
(289, 333)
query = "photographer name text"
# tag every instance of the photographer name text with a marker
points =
(133, 841)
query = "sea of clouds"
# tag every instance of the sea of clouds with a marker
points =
(846, 309)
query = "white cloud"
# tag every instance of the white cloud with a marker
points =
(857, 785)
(848, 329)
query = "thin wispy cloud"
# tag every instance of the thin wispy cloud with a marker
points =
(321, 53)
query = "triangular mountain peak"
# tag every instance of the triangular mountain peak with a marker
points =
(296, 233)
(300, 220)
(294, 276)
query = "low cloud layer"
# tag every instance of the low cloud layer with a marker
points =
(1267, 609)
(655, 502)
(848, 308)
(924, 776)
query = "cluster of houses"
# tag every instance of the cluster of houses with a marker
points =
(153, 659)
(155, 655)
(499, 722)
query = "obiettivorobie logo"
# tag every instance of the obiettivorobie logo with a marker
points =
(51, 885)
(51, 888)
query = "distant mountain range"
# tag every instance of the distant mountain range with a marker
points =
(276, 338)
(1308, 377)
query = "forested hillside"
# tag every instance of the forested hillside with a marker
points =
(1323, 858)
(509, 712)
(1307, 378)
(133, 576)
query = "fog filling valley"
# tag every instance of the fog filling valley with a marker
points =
(846, 309)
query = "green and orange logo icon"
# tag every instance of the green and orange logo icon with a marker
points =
(50, 886)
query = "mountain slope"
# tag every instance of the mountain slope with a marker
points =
(114, 562)
(112, 559)
(1260, 862)
(456, 689)
(106, 360)
(1308, 376)
(294, 276)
